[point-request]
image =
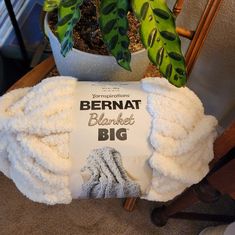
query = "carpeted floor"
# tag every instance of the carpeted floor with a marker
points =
(18, 215)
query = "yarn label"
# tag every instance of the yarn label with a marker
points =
(110, 140)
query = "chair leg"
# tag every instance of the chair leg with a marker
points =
(160, 216)
(130, 203)
(202, 191)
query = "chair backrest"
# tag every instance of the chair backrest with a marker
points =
(197, 36)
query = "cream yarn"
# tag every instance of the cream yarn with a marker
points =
(35, 125)
(182, 137)
(34, 133)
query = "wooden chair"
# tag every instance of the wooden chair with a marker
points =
(197, 38)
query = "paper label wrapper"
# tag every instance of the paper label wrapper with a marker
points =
(109, 146)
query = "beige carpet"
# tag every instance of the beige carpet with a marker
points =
(18, 215)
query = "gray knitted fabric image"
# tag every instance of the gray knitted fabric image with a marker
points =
(107, 177)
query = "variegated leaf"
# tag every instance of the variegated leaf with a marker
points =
(114, 25)
(158, 34)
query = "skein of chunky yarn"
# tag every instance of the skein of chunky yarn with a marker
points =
(35, 126)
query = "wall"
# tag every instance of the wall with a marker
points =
(213, 77)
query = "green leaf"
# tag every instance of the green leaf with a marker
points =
(114, 25)
(50, 5)
(68, 16)
(158, 34)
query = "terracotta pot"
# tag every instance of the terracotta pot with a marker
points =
(91, 67)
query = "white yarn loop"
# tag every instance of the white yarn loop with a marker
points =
(182, 137)
(35, 128)
(35, 124)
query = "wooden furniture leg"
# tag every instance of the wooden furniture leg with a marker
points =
(224, 178)
(202, 192)
(130, 203)
(205, 191)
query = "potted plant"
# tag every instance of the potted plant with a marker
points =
(157, 33)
